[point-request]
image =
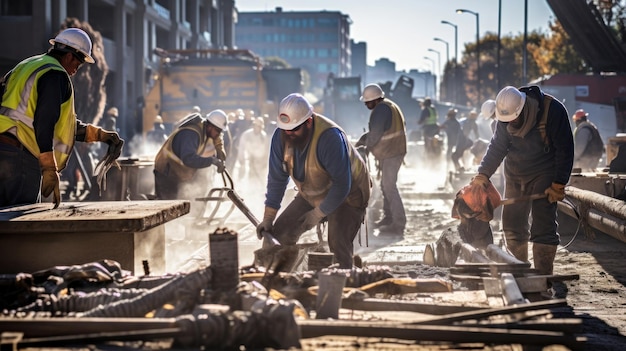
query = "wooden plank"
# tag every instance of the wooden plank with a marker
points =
(407, 286)
(372, 304)
(455, 317)
(458, 334)
(88, 217)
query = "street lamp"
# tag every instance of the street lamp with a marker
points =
(456, 39)
(456, 55)
(439, 59)
(477, 49)
(446, 83)
(447, 48)
(433, 69)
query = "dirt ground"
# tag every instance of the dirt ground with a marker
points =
(598, 297)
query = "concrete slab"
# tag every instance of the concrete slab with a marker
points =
(35, 237)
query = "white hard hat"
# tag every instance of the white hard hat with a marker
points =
(372, 92)
(217, 118)
(293, 111)
(113, 111)
(509, 103)
(158, 119)
(77, 39)
(488, 108)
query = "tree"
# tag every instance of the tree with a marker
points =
(556, 53)
(560, 58)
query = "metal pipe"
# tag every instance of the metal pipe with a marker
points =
(600, 212)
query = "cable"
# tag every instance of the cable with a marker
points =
(568, 202)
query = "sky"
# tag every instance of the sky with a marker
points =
(403, 30)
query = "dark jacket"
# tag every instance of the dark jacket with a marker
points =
(529, 156)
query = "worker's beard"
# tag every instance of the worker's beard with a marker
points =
(299, 140)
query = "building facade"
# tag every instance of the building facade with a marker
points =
(317, 42)
(131, 31)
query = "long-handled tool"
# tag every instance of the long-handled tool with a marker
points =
(268, 239)
(524, 198)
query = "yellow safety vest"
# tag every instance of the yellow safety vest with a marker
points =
(317, 181)
(19, 103)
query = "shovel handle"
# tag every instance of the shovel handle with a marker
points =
(515, 200)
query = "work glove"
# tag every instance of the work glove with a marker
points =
(219, 164)
(311, 218)
(49, 177)
(480, 180)
(94, 133)
(556, 192)
(267, 224)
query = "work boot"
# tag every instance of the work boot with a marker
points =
(543, 257)
(519, 249)
(392, 229)
(384, 221)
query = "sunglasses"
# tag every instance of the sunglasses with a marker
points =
(297, 128)
(79, 57)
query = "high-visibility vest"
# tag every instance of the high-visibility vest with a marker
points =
(19, 103)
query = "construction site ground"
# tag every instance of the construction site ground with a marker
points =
(598, 297)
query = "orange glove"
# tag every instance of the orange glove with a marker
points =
(49, 177)
(556, 192)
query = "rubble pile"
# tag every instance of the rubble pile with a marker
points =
(468, 303)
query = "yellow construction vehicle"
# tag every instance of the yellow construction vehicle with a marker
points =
(212, 79)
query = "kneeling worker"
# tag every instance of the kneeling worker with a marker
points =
(332, 180)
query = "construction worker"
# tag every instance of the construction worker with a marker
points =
(452, 127)
(534, 138)
(38, 124)
(157, 135)
(488, 110)
(332, 180)
(386, 140)
(195, 143)
(465, 140)
(253, 151)
(588, 144)
(428, 121)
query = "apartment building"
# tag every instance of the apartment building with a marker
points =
(131, 30)
(317, 42)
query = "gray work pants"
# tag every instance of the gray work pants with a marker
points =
(542, 228)
(392, 202)
(343, 225)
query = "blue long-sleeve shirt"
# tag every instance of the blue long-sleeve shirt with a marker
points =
(185, 146)
(333, 157)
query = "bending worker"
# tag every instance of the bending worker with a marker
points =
(332, 180)
(534, 138)
(196, 143)
(38, 124)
